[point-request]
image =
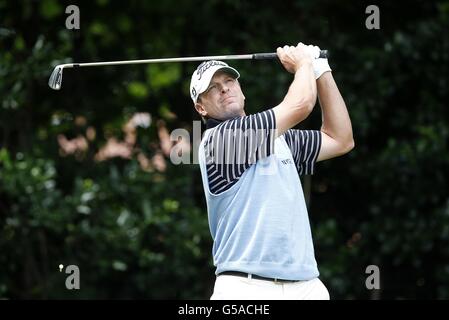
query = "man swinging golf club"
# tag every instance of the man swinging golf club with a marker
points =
(250, 166)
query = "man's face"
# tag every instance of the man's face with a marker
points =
(223, 99)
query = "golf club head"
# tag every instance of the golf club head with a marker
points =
(55, 81)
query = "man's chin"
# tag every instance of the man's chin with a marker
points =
(234, 109)
(234, 113)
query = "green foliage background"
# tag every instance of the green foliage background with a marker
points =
(138, 233)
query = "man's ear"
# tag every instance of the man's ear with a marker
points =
(241, 90)
(200, 109)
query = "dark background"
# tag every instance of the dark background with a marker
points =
(79, 184)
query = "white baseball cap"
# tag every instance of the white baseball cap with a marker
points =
(204, 73)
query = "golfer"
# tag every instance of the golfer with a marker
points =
(250, 166)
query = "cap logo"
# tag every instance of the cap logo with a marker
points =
(206, 65)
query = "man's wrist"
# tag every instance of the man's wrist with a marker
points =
(306, 62)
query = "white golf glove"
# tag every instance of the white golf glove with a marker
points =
(320, 65)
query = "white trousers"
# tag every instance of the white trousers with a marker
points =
(229, 287)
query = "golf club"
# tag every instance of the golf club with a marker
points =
(55, 81)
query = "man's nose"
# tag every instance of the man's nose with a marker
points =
(224, 88)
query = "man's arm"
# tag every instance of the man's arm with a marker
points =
(301, 96)
(336, 130)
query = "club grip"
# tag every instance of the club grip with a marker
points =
(261, 56)
(273, 55)
(324, 54)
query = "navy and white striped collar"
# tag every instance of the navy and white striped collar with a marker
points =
(211, 122)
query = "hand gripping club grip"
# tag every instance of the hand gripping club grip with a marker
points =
(273, 55)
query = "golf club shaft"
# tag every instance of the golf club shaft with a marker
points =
(55, 81)
(257, 56)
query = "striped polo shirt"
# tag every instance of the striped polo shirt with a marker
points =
(257, 213)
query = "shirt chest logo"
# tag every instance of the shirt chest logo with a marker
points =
(287, 161)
